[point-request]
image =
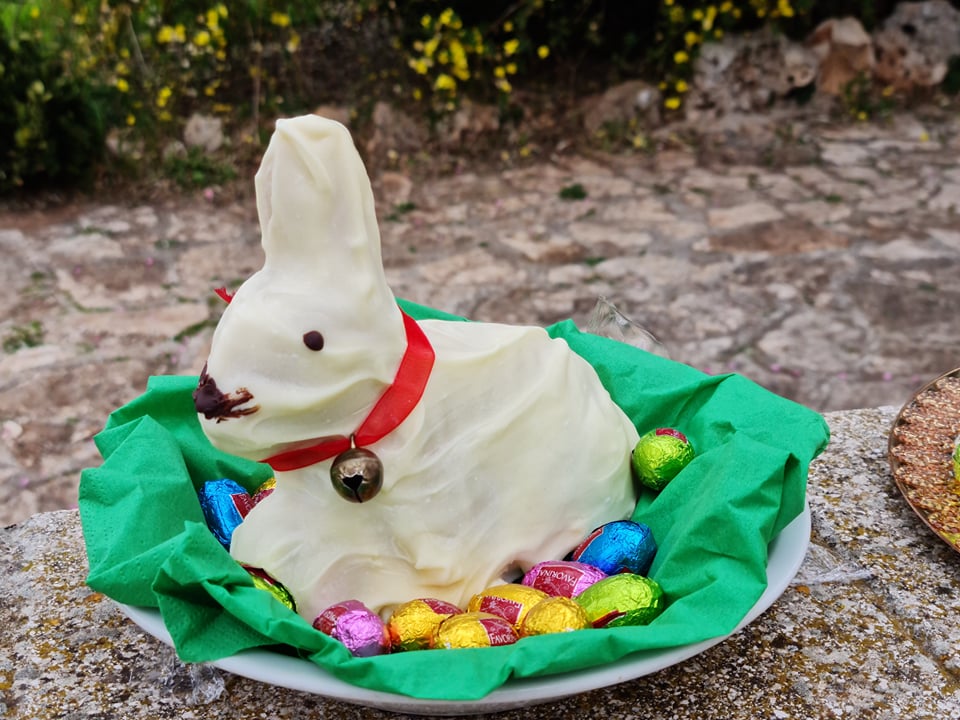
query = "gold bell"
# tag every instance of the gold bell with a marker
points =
(357, 474)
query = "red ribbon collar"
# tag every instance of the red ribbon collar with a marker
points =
(393, 407)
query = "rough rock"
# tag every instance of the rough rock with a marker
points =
(393, 132)
(204, 132)
(631, 101)
(747, 73)
(844, 50)
(468, 123)
(914, 44)
(786, 237)
(335, 112)
(174, 149)
(121, 143)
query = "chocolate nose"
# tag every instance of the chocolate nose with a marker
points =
(212, 402)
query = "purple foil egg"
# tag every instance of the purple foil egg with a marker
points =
(356, 626)
(562, 578)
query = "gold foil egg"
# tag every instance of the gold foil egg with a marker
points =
(511, 602)
(553, 615)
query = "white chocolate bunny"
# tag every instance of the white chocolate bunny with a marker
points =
(509, 454)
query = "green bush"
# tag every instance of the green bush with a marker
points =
(51, 130)
(196, 170)
(72, 70)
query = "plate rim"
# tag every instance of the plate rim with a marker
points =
(895, 463)
(786, 553)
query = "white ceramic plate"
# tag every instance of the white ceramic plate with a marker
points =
(786, 554)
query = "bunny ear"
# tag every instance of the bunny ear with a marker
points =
(316, 207)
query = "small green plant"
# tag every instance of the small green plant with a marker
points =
(198, 170)
(399, 210)
(862, 100)
(951, 82)
(195, 329)
(21, 336)
(573, 192)
(616, 134)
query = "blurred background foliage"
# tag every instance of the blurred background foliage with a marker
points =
(74, 73)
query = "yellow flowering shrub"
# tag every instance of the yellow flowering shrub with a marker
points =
(684, 26)
(165, 59)
(449, 57)
(143, 66)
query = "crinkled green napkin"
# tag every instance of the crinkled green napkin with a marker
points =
(148, 545)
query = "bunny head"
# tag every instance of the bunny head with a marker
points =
(307, 343)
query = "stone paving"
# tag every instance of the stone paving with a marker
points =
(826, 271)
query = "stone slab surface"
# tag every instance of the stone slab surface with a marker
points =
(830, 276)
(867, 629)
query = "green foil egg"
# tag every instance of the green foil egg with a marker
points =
(266, 583)
(956, 460)
(624, 599)
(659, 455)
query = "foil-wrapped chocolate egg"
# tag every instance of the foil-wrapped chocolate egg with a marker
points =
(617, 547)
(264, 582)
(659, 456)
(356, 626)
(474, 630)
(357, 475)
(412, 624)
(263, 492)
(553, 615)
(563, 578)
(225, 503)
(511, 602)
(956, 459)
(624, 599)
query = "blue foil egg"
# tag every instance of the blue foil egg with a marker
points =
(224, 503)
(617, 547)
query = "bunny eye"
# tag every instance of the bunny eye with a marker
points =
(313, 340)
